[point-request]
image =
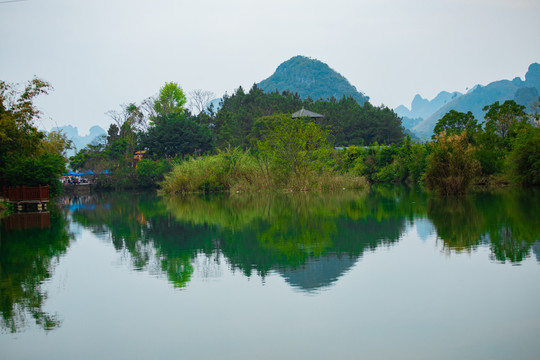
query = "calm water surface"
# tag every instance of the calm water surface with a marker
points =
(390, 274)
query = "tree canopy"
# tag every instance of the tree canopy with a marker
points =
(171, 100)
(347, 122)
(27, 155)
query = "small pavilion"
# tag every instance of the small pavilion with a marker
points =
(306, 113)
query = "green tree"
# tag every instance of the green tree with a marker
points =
(27, 155)
(455, 122)
(171, 100)
(503, 119)
(296, 148)
(177, 135)
(524, 158)
(150, 172)
(451, 166)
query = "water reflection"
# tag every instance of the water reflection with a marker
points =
(30, 246)
(311, 240)
(506, 221)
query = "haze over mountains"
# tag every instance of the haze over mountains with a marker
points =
(315, 79)
(424, 114)
(80, 142)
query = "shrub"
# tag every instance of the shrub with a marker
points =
(524, 158)
(232, 169)
(150, 172)
(451, 165)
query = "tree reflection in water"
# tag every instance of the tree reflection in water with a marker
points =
(294, 234)
(27, 258)
(311, 240)
(506, 221)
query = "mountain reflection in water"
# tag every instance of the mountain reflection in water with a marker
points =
(311, 240)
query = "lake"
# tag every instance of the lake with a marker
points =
(391, 273)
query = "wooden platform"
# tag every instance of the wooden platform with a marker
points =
(24, 197)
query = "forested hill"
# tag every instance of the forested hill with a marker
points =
(310, 78)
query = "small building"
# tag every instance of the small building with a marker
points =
(306, 113)
(139, 155)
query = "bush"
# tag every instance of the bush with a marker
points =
(150, 172)
(451, 166)
(524, 158)
(233, 169)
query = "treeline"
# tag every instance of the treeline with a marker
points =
(166, 133)
(252, 143)
(297, 154)
(347, 122)
(504, 148)
(28, 156)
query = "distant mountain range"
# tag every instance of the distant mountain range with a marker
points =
(424, 114)
(80, 142)
(310, 78)
(313, 78)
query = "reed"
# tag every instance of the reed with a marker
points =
(235, 170)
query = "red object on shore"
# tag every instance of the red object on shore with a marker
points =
(20, 194)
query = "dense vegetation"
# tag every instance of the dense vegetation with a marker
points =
(28, 156)
(242, 128)
(253, 143)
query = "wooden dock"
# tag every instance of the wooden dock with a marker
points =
(25, 196)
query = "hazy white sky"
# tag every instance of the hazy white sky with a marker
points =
(99, 54)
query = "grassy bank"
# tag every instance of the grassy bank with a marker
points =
(236, 170)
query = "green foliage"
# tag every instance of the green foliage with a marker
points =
(387, 164)
(454, 123)
(27, 260)
(504, 119)
(524, 158)
(242, 115)
(32, 171)
(176, 135)
(27, 156)
(171, 100)
(295, 148)
(151, 172)
(92, 157)
(233, 169)
(451, 166)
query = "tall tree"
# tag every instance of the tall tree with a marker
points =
(176, 135)
(455, 122)
(27, 156)
(502, 118)
(171, 100)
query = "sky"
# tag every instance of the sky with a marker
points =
(100, 54)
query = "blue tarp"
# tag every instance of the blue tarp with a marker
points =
(73, 173)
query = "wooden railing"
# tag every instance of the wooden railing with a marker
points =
(21, 221)
(26, 193)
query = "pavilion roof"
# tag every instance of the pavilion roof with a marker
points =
(306, 113)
